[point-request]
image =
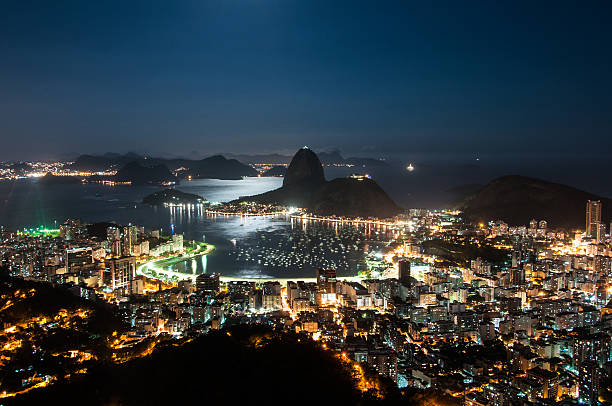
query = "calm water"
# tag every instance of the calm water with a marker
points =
(245, 247)
(26, 203)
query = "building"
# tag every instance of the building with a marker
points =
(208, 283)
(113, 237)
(129, 240)
(356, 294)
(591, 347)
(589, 382)
(404, 272)
(517, 276)
(384, 361)
(256, 299)
(549, 381)
(593, 217)
(326, 280)
(601, 233)
(120, 273)
(271, 299)
(164, 247)
(78, 258)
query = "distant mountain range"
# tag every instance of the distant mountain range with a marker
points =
(326, 158)
(139, 174)
(305, 186)
(215, 167)
(518, 199)
(277, 170)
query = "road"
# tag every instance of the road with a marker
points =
(160, 266)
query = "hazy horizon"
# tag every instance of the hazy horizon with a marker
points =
(370, 79)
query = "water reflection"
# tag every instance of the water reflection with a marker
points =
(28, 204)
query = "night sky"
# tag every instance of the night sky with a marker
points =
(371, 78)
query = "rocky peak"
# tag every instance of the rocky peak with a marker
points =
(305, 169)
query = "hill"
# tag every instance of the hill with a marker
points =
(214, 167)
(139, 174)
(229, 367)
(277, 170)
(42, 324)
(172, 196)
(366, 162)
(100, 163)
(305, 186)
(305, 170)
(518, 199)
(218, 167)
(353, 198)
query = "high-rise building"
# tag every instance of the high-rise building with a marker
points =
(208, 283)
(120, 273)
(256, 299)
(271, 299)
(404, 272)
(326, 280)
(591, 347)
(113, 236)
(589, 377)
(593, 217)
(129, 240)
(601, 233)
(78, 258)
(517, 276)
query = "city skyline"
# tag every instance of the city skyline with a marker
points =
(285, 201)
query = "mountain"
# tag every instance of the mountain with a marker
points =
(218, 167)
(327, 158)
(305, 170)
(366, 162)
(277, 170)
(352, 197)
(305, 186)
(91, 163)
(331, 157)
(100, 163)
(260, 158)
(518, 199)
(138, 174)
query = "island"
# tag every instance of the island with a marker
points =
(172, 197)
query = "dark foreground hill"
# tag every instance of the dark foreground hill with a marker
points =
(243, 365)
(305, 186)
(518, 199)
